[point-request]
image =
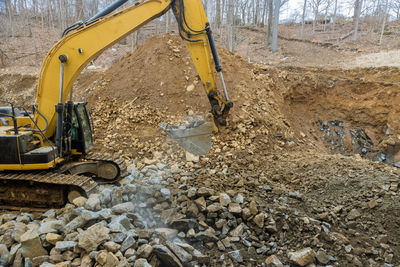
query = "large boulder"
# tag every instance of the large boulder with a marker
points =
(94, 236)
(31, 246)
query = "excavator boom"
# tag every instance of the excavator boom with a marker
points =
(73, 52)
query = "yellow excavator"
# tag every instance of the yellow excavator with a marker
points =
(45, 154)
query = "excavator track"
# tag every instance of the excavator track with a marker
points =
(120, 162)
(49, 189)
(41, 189)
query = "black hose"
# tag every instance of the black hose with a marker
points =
(184, 18)
(41, 131)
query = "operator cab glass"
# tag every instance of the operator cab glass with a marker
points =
(81, 131)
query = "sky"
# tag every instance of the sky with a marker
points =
(293, 6)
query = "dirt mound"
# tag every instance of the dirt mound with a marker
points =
(153, 80)
(17, 88)
(159, 72)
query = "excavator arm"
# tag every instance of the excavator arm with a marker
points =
(85, 41)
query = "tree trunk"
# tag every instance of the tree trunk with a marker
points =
(334, 16)
(218, 14)
(223, 11)
(167, 21)
(274, 46)
(10, 16)
(79, 10)
(230, 25)
(303, 18)
(264, 13)
(326, 13)
(315, 17)
(269, 27)
(384, 21)
(357, 7)
(257, 11)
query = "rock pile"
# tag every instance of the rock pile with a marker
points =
(156, 219)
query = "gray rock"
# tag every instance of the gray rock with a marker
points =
(295, 195)
(104, 214)
(50, 227)
(141, 263)
(37, 261)
(302, 257)
(123, 208)
(49, 214)
(236, 256)
(94, 236)
(235, 208)
(215, 207)
(4, 255)
(105, 196)
(273, 261)
(128, 243)
(88, 216)
(93, 203)
(166, 193)
(31, 246)
(167, 233)
(19, 230)
(238, 231)
(181, 253)
(239, 199)
(224, 199)
(77, 222)
(45, 264)
(353, 214)
(144, 251)
(129, 253)
(205, 192)
(18, 259)
(62, 246)
(118, 237)
(86, 261)
(322, 257)
(111, 246)
(191, 192)
(120, 224)
(13, 251)
(206, 236)
(166, 256)
(184, 225)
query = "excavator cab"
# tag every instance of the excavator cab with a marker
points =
(78, 136)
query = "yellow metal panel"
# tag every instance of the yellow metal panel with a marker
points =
(92, 40)
(200, 51)
(30, 167)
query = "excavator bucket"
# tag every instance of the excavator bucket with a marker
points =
(193, 136)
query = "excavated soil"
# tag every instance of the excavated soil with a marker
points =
(281, 133)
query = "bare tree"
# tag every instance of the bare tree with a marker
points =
(230, 24)
(357, 8)
(79, 10)
(384, 21)
(269, 27)
(218, 13)
(315, 4)
(334, 16)
(274, 45)
(302, 19)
